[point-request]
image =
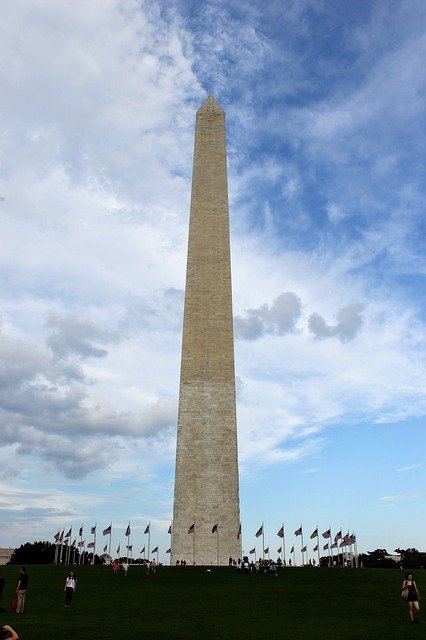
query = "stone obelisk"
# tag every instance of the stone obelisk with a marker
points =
(206, 515)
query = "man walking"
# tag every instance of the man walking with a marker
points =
(21, 590)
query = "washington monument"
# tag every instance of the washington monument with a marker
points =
(206, 514)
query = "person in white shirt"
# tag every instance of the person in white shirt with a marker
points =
(70, 587)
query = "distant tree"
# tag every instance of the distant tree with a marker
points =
(411, 558)
(33, 553)
(376, 560)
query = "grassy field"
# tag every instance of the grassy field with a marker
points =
(188, 603)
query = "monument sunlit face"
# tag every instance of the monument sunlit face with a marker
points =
(206, 515)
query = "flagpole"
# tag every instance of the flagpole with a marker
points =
(217, 545)
(263, 542)
(294, 557)
(283, 549)
(56, 550)
(356, 552)
(318, 546)
(94, 548)
(69, 548)
(302, 552)
(62, 542)
(330, 560)
(149, 538)
(110, 537)
(128, 540)
(193, 548)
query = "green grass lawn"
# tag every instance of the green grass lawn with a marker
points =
(187, 603)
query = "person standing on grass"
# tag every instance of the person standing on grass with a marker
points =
(21, 590)
(412, 597)
(70, 587)
(7, 633)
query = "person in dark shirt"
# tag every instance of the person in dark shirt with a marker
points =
(21, 590)
(412, 597)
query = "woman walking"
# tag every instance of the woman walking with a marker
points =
(70, 587)
(412, 597)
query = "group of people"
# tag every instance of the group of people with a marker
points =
(6, 631)
(409, 592)
(18, 603)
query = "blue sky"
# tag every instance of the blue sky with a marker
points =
(325, 107)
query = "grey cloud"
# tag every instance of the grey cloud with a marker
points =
(278, 319)
(30, 515)
(165, 308)
(80, 337)
(46, 410)
(349, 322)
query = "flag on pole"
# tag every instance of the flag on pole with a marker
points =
(61, 537)
(81, 544)
(314, 534)
(214, 530)
(73, 544)
(118, 550)
(325, 547)
(147, 529)
(127, 531)
(142, 550)
(303, 550)
(345, 542)
(316, 548)
(170, 529)
(129, 547)
(68, 534)
(106, 531)
(266, 550)
(279, 550)
(168, 551)
(191, 528)
(280, 533)
(80, 531)
(155, 550)
(338, 536)
(334, 545)
(56, 537)
(327, 534)
(298, 532)
(252, 550)
(90, 545)
(93, 530)
(292, 550)
(239, 532)
(259, 532)
(105, 548)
